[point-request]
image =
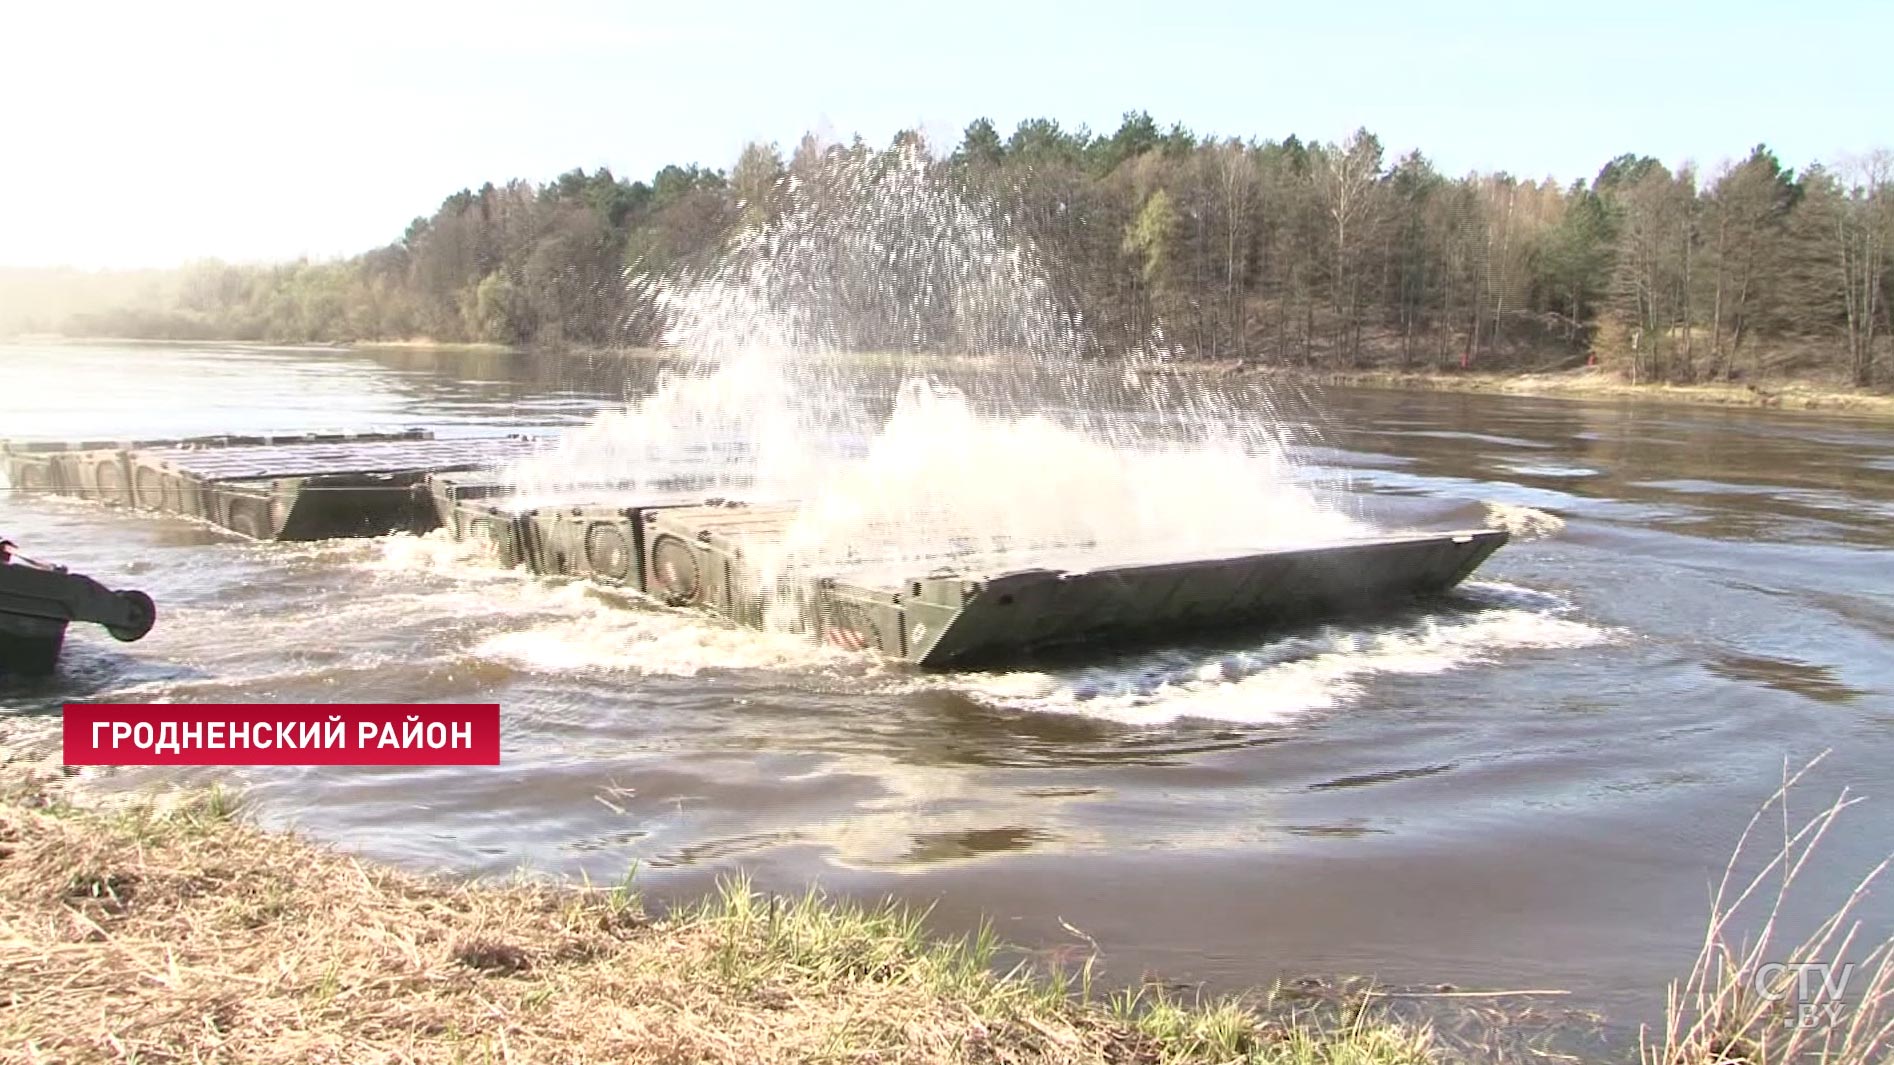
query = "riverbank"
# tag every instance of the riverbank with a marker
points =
(170, 929)
(1590, 384)
(1582, 384)
(413, 344)
(179, 932)
(167, 927)
(425, 344)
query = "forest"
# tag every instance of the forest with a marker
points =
(1282, 252)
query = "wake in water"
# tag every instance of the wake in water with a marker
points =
(1288, 678)
(1046, 453)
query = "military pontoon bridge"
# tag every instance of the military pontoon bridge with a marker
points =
(686, 551)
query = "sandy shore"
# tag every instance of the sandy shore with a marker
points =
(1593, 385)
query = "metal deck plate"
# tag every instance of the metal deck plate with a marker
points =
(310, 460)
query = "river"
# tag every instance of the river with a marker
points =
(1533, 789)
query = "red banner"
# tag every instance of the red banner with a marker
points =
(282, 734)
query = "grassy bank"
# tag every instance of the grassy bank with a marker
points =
(183, 934)
(171, 929)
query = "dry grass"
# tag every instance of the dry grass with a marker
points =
(182, 934)
(1745, 1002)
(176, 932)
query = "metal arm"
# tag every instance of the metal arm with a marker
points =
(51, 592)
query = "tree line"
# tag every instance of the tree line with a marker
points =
(1326, 255)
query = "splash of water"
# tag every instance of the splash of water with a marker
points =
(893, 359)
(1526, 523)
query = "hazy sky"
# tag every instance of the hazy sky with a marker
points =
(149, 133)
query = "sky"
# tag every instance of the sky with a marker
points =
(148, 134)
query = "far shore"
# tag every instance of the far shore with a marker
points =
(1591, 384)
(1588, 383)
(415, 344)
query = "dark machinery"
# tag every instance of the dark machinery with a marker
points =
(38, 601)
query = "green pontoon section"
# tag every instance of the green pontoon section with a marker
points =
(952, 621)
(702, 556)
(600, 541)
(307, 487)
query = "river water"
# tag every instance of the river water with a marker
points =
(1533, 785)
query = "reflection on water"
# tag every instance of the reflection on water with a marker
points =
(1815, 682)
(1385, 776)
(1531, 781)
(1346, 830)
(945, 846)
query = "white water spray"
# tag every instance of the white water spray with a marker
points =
(811, 369)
